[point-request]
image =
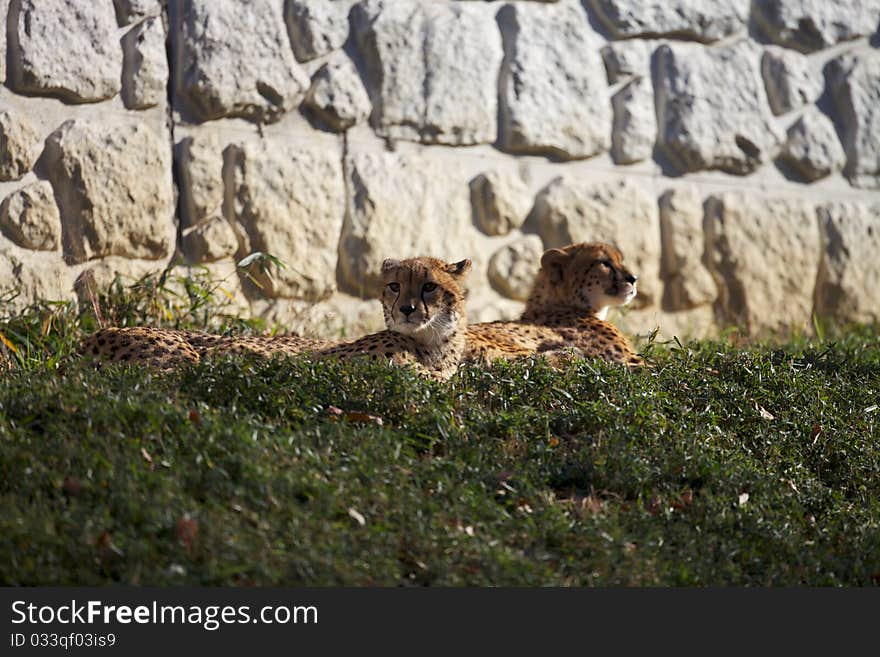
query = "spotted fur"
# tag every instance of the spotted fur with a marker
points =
(565, 312)
(423, 304)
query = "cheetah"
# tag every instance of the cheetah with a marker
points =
(423, 304)
(566, 310)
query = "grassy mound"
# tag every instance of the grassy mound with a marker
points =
(723, 464)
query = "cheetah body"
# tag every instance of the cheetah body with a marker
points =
(423, 305)
(565, 312)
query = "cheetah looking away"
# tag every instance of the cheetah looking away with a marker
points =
(565, 311)
(423, 304)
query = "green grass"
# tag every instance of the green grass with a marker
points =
(722, 465)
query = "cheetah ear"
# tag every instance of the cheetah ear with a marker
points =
(553, 262)
(460, 268)
(389, 264)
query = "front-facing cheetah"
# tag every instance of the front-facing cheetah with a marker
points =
(565, 311)
(422, 300)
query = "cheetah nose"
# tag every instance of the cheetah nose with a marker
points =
(629, 278)
(407, 310)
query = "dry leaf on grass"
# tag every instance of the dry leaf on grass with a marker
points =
(6, 341)
(684, 500)
(72, 486)
(106, 548)
(355, 417)
(357, 516)
(187, 530)
(767, 415)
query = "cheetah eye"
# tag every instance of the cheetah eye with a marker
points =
(394, 287)
(606, 263)
(429, 287)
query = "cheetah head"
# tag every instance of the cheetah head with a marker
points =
(423, 297)
(588, 276)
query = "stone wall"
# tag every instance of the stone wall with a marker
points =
(731, 149)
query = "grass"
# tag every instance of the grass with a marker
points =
(725, 464)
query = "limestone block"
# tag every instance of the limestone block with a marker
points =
(789, 80)
(91, 65)
(624, 59)
(621, 213)
(209, 241)
(512, 268)
(432, 69)
(693, 324)
(390, 42)
(698, 20)
(809, 25)
(712, 108)
(131, 11)
(402, 205)
(290, 201)
(114, 187)
(316, 27)
(764, 256)
(849, 274)
(200, 163)
(19, 145)
(340, 315)
(337, 95)
(98, 276)
(145, 66)
(635, 122)
(4, 8)
(553, 90)
(29, 217)
(500, 200)
(813, 150)
(234, 59)
(687, 282)
(35, 276)
(493, 308)
(855, 84)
